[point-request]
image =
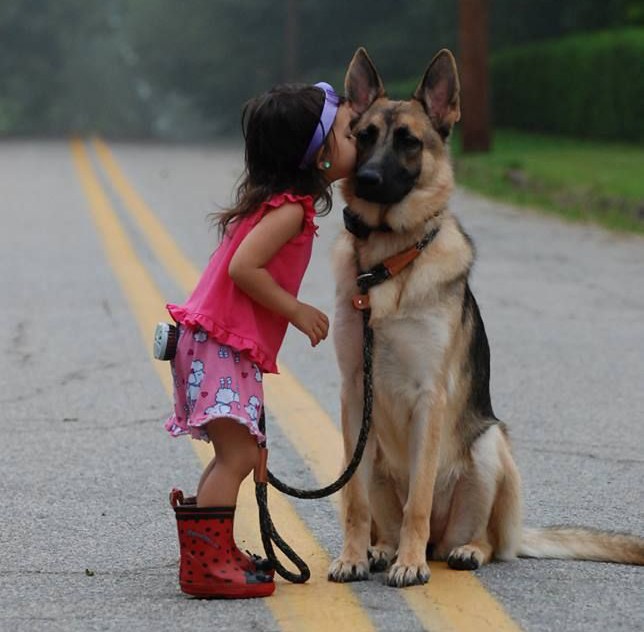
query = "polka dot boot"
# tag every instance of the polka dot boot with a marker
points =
(248, 561)
(209, 566)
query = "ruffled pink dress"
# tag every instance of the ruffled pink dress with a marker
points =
(227, 340)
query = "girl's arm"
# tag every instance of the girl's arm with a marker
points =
(247, 270)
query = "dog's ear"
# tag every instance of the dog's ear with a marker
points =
(362, 83)
(439, 92)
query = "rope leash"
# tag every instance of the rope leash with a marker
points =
(263, 476)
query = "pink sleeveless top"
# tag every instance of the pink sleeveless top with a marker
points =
(229, 314)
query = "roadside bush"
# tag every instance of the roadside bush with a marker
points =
(588, 86)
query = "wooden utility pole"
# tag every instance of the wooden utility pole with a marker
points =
(474, 73)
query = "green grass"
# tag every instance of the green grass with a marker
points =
(579, 180)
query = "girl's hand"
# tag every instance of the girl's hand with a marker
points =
(311, 321)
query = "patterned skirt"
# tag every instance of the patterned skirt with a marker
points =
(213, 381)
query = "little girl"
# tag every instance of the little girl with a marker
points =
(298, 141)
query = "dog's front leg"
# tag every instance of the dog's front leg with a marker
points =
(425, 426)
(353, 564)
(386, 514)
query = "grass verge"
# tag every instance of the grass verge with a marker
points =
(579, 180)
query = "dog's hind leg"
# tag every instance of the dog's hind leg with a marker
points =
(503, 534)
(464, 543)
(386, 513)
(353, 564)
(506, 522)
(479, 510)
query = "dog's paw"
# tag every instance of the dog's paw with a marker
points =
(465, 558)
(400, 575)
(380, 558)
(348, 571)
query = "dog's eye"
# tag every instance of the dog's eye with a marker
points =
(405, 139)
(367, 134)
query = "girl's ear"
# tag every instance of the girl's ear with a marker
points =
(439, 91)
(362, 83)
(322, 158)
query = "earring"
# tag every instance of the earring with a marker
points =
(325, 165)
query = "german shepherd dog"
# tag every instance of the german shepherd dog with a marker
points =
(437, 478)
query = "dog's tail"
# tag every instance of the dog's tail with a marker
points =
(582, 544)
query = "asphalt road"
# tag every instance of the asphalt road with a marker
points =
(87, 540)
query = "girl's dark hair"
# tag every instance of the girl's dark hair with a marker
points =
(278, 127)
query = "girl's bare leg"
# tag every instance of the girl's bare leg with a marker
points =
(237, 454)
(206, 472)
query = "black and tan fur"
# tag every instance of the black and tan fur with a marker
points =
(437, 474)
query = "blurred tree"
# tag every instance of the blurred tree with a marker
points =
(221, 53)
(181, 68)
(30, 54)
(401, 37)
(65, 67)
(102, 90)
(291, 33)
(216, 53)
(520, 21)
(634, 12)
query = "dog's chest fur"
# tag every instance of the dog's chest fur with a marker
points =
(408, 352)
(414, 316)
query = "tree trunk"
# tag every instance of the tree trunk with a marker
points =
(291, 25)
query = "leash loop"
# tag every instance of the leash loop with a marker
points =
(269, 533)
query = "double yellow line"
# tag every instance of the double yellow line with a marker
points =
(451, 601)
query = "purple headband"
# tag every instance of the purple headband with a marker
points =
(330, 109)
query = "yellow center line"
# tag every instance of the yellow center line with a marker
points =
(319, 604)
(163, 245)
(452, 599)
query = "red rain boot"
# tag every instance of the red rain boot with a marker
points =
(207, 568)
(247, 561)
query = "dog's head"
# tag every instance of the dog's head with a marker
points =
(402, 144)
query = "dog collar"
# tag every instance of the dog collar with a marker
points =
(388, 268)
(360, 229)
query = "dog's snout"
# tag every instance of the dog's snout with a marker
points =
(369, 177)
